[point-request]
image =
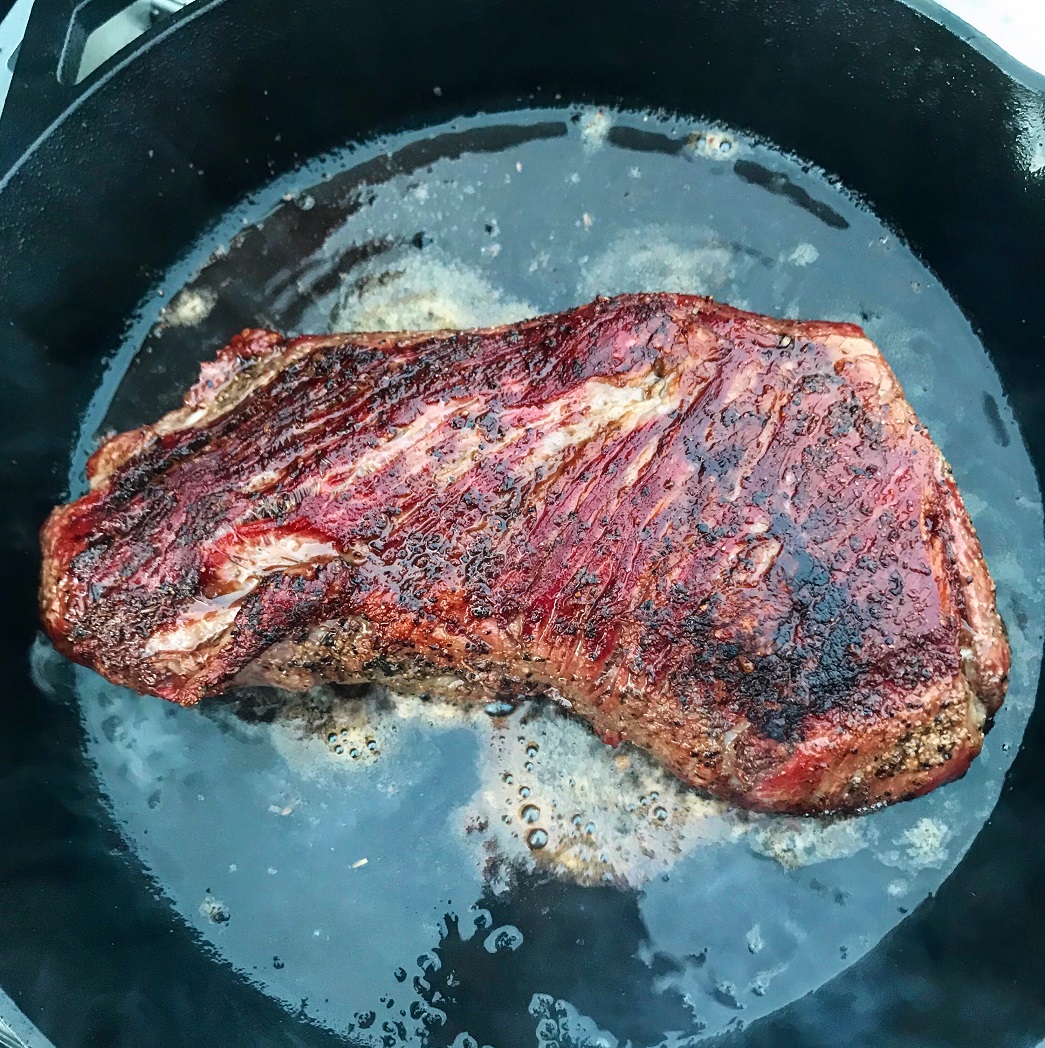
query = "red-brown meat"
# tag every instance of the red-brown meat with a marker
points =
(723, 537)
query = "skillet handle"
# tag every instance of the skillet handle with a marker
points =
(43, 84)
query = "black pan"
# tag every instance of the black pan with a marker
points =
(197, 877)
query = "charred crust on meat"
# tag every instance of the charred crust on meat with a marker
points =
(721, 536)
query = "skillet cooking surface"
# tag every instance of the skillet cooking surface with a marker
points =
(612, 905)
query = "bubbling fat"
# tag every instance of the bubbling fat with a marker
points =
(551, 796)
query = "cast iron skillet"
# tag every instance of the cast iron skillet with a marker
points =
(105, 198)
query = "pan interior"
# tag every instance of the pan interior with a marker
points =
(407, 872)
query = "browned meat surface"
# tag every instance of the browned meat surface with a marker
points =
(722, 537)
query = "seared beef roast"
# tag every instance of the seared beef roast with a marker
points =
(724, 538)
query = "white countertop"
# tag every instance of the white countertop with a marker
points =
(1016, 26)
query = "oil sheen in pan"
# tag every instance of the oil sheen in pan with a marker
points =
(413, 872)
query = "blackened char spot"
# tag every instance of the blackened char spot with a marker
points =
(823, 635)
(481, 565)
(87, 559)
(141, 472)
(814, 662)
